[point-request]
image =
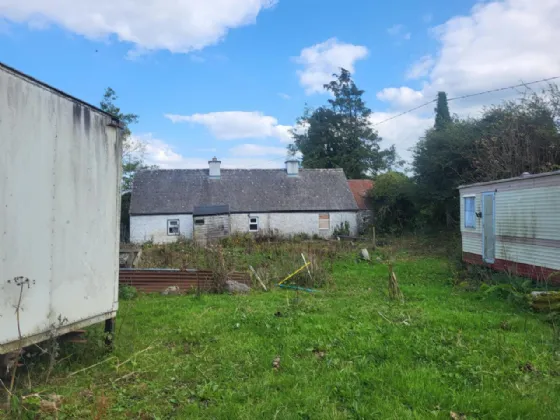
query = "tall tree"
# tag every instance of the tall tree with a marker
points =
(132, 156)
(340, 135)
(519, 136)
(442, 111)
(133, 149)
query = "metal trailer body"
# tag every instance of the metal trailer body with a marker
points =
(60, 168)
(513, 225)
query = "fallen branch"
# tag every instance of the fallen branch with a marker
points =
(385, 318)
(258, 278)
(92, 366)
(133, 356)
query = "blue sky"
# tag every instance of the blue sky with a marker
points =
(230, 77)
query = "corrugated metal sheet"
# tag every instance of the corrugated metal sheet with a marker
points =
(155, 280)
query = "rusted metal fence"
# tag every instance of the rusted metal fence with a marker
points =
(153, 280)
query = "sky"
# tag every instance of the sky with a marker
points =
(229, 78)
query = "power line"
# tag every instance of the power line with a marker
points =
(464, 97)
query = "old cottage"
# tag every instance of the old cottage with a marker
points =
(513, 224)
(207, 204)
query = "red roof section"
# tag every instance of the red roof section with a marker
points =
(359, 188)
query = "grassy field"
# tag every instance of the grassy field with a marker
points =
(346, 351)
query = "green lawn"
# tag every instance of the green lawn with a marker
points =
(344, 352)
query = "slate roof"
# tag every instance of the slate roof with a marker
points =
(173, 191)
(359, 188)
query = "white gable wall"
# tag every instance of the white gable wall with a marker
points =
(154, 227)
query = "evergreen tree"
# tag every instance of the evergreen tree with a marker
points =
(339, 135)
(442, 112)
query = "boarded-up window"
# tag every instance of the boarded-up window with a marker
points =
(469, 212)
(173, 227)
(253, 224)
(324, 222)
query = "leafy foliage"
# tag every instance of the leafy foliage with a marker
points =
(342, 229)
(442, 112)
(133, 149)
(339, 135)
(393, 200)
(507, 140)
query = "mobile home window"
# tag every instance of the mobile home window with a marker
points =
(253, 224)
(469, 212)
(324, 222)
(173, 227)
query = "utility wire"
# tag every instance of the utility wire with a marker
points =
(435, 100)
(464, 97)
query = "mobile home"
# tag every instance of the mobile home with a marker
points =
(514, 225)
(60, 172)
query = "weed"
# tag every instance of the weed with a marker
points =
(127, 292)
(342, 352)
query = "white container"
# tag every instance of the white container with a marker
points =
(60, 167)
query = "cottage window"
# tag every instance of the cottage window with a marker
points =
(324, 222)
(173, 227)
(199, 221)
(469, 213)
(253, 224)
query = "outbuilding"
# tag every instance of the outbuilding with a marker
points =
(513, 225)
(207, 204)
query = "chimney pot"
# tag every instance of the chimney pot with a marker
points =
(214, 168)
(292, 167)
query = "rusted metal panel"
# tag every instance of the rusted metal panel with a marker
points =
(59, 187)
(154, 280)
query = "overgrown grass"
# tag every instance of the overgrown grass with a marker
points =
(346, 351)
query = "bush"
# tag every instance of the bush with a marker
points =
(342, 229)
(127, 292)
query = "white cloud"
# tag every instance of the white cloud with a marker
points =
(231, 125)
(257, 150)
(399, 31)
(158, 152)
(402, 97)
(421, 68)
(320, 61)
(501, 43)
(176, 25)
(403, 131)
(284, 96)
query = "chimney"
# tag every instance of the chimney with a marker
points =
(292, 167)
(214, 166)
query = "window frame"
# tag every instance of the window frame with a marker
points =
(465, 199)
(197, 221)
(256, 223)
(327, 218)
(171, 226)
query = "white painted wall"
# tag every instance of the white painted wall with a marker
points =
(293, 223)
(530, 213)
(154, 228)
(59, 223)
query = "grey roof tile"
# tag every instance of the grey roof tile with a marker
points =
(171, 191)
